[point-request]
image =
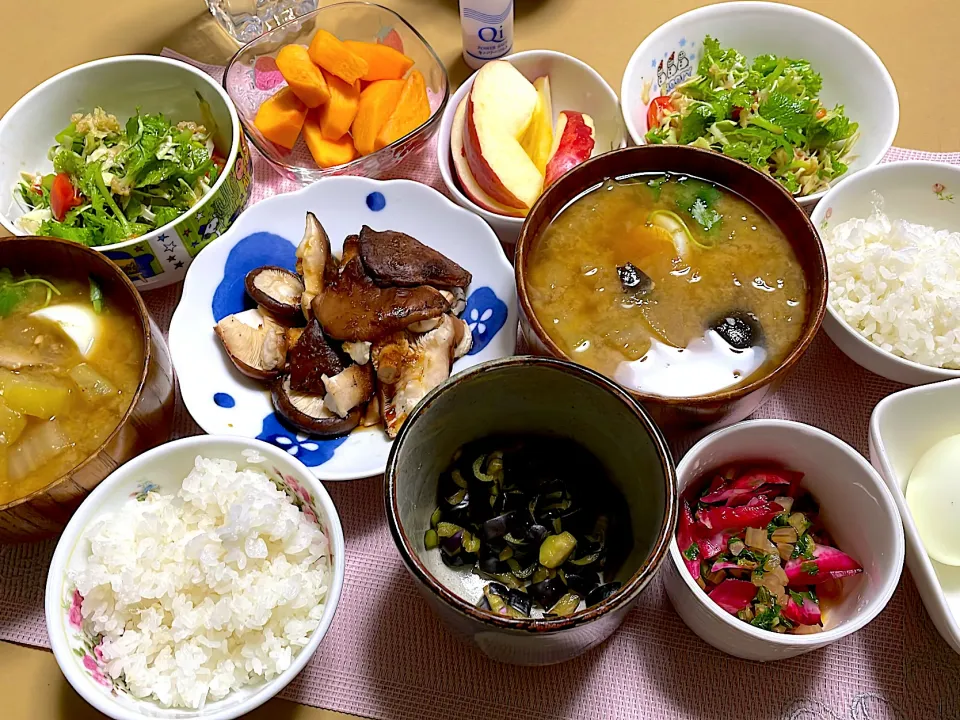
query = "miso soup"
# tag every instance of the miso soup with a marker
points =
(70, 363)
(670, 285)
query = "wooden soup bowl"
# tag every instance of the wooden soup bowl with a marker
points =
(146, 423)
(765, 193)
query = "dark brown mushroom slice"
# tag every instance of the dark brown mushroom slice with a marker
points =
(276, 289)
(255, 343)
(308, 413)
(312, 358)
(354, 308)
(349, 389)
(315, 262)
(394, 258)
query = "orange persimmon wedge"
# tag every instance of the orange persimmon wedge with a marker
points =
(303, 77)
(338, 113)
(412, 111)
(377, 101)
(327, 153)
(334, 57)
(383, 62)
(281, 117)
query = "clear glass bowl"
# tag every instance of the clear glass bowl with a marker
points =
(252, 76)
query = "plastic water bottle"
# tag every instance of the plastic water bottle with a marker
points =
(245, 20)
(487, 29)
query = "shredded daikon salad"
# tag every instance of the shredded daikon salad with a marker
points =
(897, 283)
(200, 593)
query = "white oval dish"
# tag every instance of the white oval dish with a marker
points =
(853, 75)
(222, 401)
(917, 191)
(164, 469)
(574, 85)
(902, 428)
(857, 508)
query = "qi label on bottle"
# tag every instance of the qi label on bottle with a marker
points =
(487, 28)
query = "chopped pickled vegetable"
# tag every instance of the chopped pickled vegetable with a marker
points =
(535, 517)
(769, 562)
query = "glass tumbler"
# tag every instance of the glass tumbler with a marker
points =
(245, 20)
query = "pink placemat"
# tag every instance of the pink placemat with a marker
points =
(387, 656)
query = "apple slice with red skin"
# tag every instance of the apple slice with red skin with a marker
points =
(537, 141)
(500, 108)
(573, 142)
(468, 183)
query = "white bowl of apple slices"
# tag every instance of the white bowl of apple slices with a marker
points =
(516, 125)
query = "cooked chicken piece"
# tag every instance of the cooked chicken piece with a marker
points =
(354, 308)
(315, 262)
(310, 359)
(419, 363)
(395, 258)
(348, 389)
(359, 352)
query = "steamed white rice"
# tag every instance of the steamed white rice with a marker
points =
(898, 285)
(204, 592)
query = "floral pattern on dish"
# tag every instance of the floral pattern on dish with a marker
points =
(86, 644)
(308, 450)
(940, 190)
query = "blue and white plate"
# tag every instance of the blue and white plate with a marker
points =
(223, 401)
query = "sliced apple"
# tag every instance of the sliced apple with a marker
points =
(573, 143)
(500, 108)
(537, 141)
(467, 181)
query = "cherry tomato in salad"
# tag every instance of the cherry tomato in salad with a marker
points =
(63, 196)
(658, 106)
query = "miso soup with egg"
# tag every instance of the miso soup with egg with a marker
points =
(669, 285)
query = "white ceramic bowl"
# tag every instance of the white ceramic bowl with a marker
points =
(853, 75)
(120, 85)
(223, 401)
(574, 85)
(856, 507)
(916, 191)
(903, 427)
(164, 468)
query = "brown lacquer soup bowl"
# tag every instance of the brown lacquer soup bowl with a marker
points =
(566, 404)
(767, 196)
(142, 421)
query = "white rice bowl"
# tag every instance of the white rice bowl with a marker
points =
(897, 284)
(202, 592)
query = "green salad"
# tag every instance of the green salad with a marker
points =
(766, 113)
(113, 182)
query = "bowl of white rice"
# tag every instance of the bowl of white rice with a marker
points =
(196, 581)
(891, 234)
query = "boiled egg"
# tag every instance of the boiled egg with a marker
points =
(78, 322)
(933, 495)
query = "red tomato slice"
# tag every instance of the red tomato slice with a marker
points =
(658, 106)
(63, 196)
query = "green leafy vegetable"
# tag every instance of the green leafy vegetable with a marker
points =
(96, 296)
(131, 179)
(766, 113)
(14, 292)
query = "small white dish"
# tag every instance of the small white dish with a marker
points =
(223, 401)
(121, 85)
(917, 191)
(857, 509)
(902, 428)
(164, 469)
(853, 75)
(574, 85)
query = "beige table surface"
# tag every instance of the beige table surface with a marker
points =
(915, 39)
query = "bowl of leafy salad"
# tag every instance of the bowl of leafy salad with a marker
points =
(789, 92)
(140, 157)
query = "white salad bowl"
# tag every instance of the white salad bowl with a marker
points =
(857, 509)
(574, 85)
(915, 191)
(902, 428)
(223, 401)
(120, 85)
(163, 469)
(853, 75)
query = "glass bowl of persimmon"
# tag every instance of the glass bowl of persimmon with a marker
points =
(350, 89)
